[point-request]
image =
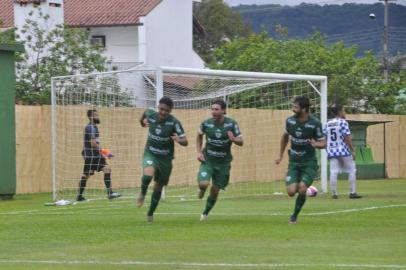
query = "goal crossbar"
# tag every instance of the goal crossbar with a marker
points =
(322, 92)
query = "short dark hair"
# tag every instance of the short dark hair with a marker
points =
(167, 101)
(222, 103)
(303, 102)
(335, 109)
(91, 112)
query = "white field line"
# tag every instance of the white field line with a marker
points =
(90, 209)
(199, 264)
(302, 214)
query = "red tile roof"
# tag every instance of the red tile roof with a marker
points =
(7, 13)
(92, 13)
(106, 12)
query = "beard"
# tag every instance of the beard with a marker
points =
(96, 121)
(297, 114)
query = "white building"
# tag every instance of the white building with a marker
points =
(149, 32)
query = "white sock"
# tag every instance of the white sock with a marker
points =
(333, 182)
(351, 180)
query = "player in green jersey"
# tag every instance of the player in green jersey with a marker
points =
(215, 158)
(163, 130)
(306, 134)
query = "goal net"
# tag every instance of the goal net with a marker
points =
(259, 102)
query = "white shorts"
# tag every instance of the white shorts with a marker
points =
(342, 164)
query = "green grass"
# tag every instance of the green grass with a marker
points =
(241, 233)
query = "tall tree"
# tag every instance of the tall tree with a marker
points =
(356, 82)
(60, 51)
(220, 23)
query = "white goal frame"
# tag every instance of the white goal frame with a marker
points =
(159, 74)
(259, 75)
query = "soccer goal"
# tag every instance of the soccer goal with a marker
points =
(259, 102)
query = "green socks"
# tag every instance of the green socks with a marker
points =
(300, 201)
(145, 180)
(156, 196)
(209, 205)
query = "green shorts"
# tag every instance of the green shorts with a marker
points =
(304, 172)
(218, 172)
(162, 167)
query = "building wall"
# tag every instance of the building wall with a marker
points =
(165, 37)
(122, 45)
(168, 36)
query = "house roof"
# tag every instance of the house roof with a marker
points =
(7, 13)
(106, 12)
(91, 13)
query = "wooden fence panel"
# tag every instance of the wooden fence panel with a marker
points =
(261, 129)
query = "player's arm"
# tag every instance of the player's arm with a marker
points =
(199, 144)
(320, 144)
(237, 140)
(93, 142)
(348, 141)
(179, 135)
(182, 140)
(235, 136)
(345, 130)
(319, 139)
(144, 120)
(283, 144)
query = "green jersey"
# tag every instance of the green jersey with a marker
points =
(159, 142)
(300, 133)
(218, 145)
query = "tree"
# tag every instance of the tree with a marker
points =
(60, 51)
(221, 24)
(7, 37)
(356, 82)
(348, 21)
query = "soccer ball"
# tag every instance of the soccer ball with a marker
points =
(311, 191)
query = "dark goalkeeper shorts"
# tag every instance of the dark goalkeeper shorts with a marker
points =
(93, 164)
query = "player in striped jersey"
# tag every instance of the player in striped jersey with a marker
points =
(340, 150)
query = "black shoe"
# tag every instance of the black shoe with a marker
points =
(80, 198)
(293, 219)
(335, 196)
(114, 195)
(354, 196)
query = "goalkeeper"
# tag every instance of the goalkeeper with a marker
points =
(94, 161)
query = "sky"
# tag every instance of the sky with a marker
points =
(297, 2)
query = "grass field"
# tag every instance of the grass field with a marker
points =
(241, 233)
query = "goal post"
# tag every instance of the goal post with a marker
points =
(260, 102)
(120, 97)
(265, 79)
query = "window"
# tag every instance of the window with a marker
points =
(99, 41)
(55, 5)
